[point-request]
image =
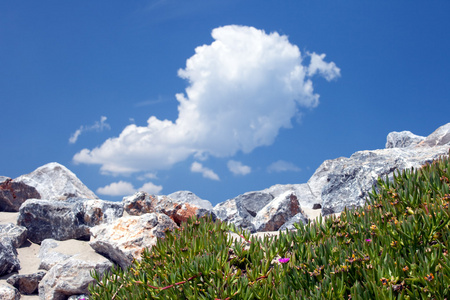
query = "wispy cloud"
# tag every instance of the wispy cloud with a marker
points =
(97, 126)
(124, 188)
(237, 168)
(282, 166)
(243, 88)
(197, 167)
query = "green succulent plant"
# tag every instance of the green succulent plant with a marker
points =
(395, 247)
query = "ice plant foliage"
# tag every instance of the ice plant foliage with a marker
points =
(395, 247)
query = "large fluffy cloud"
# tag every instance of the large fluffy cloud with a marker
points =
(243, 88)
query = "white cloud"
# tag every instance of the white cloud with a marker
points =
(120, 188)
(98, 126)
(197, 167)
(243, 88)
(282, 166)
(237, 168)
(327, 70)
(151, 188)
(123, 188)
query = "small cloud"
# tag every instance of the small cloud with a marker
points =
(282, 166)
(151, 188)
(197, 167)
(98, 126)
(147, 176)
(237, 168)
(120, 188)
(123, 188)
(149, 102)
(328, 70)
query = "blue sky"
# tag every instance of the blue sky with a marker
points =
(215, 97)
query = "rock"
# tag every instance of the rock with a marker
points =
(402, 139)
(317, 206)
(78, 297)
(298, 218)
(3, 179)
(13, 194)
(142, 203)
(191, 198)
(126, 238)
(54, 181)
(261, 211)
(8, 293)
(280, 210)
(17, 234)
(8, 257)
(349, 180)
(63, 220)
(440, 137)
(97, 212)
(48, 256)
(27, 284)
(71, 277)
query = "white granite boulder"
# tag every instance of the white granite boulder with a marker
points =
(17, 234)
(126, 238)
(9, 262)
(8, 292)
(54, 181)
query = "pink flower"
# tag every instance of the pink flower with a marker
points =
(368, 240)
(283, 260)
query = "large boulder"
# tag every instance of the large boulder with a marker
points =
(402, 139)
(8, 257)
(14, 193)
(178, 210)
(17, 234)
(54, 181)
(126, 238)
(71, 277)
(63, 220)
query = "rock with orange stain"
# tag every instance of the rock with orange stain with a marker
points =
(178, 210)
(125, 239)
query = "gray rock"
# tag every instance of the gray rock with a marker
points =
(280, 210)
(9, 262)
(59, 220)
(126, 238)
(54, 181)
(13, 194)
(17, 234)
(298, 218)
(8, 292)
(265, 210)
(402, 139)
(71, 277)
(350, 180)
(78, 297)
(63, 220)
(143, 203)
(48, 256)
(191, 198)
(27, 284)
(3, 179)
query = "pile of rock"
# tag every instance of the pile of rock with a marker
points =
(77, 235)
